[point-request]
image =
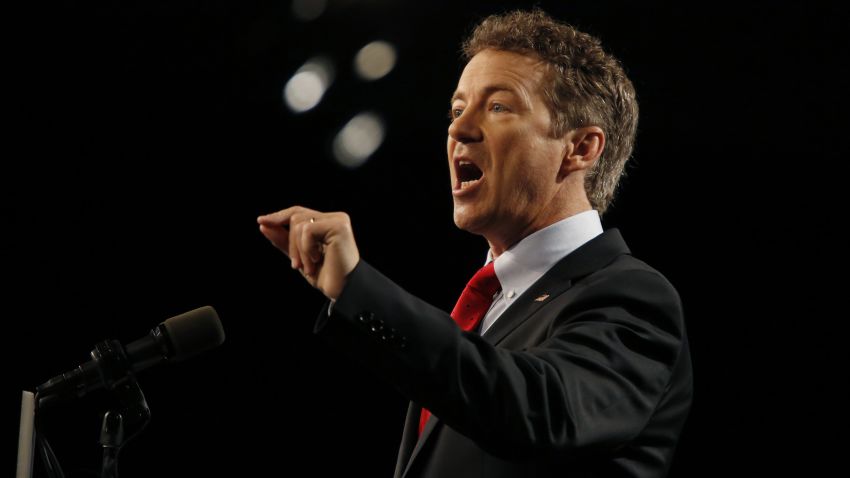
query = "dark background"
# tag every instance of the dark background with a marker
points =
(144, 137)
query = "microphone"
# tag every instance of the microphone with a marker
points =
(112, 364)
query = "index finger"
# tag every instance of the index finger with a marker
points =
(279, 218)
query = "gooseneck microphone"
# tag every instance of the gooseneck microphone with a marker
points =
(175, 339)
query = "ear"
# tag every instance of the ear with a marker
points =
(583, 146)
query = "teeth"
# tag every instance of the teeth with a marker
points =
(466, 184)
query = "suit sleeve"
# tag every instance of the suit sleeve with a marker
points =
(591, 385)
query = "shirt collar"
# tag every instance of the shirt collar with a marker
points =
(526, 261)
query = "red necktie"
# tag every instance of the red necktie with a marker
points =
(471, 307)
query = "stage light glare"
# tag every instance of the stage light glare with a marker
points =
(358, 139)
(375, 60)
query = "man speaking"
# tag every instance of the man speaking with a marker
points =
(565, 355)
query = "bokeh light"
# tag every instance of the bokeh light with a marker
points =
(358, 139)
(375, 60)
(308, 85)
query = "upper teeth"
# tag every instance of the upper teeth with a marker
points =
(464, 163)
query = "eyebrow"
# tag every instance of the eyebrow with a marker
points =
(488, 90)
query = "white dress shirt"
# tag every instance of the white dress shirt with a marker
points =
(526, 261)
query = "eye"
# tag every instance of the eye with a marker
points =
(455, 113)
(498, 108)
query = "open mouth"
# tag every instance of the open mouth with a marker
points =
(468, 174)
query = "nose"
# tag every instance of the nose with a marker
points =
(465, 128)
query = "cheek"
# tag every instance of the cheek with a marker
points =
(530, 177)
(450, 146)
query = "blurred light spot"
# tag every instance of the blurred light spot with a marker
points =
(305, 89)
(375, 60)
(306, 10)
(358, 139)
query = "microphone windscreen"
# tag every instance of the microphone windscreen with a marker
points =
(193, 332)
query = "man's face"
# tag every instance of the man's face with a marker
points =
(504, 164)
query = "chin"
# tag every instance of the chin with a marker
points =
(466, 221)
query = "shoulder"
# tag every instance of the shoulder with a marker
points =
(629, 287)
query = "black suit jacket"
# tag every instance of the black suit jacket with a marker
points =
(587, 374)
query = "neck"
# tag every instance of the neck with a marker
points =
(499, 243)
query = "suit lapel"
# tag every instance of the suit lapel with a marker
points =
(430, 425)
(524, 307)
(592, 256)
(408, 439)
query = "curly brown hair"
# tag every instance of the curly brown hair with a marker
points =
(586, 87)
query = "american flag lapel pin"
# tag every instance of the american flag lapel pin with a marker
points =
(541, 298)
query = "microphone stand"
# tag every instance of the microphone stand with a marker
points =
(131, 414)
